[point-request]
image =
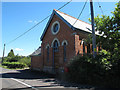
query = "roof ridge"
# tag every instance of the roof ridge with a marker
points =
(72, 16)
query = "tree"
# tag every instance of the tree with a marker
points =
(109, 28)
(11, 53)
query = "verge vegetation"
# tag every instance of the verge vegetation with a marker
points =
(15, 61)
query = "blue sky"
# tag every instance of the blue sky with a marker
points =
(18, 17)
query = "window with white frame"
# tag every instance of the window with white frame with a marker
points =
(47, 47)
(64, 44)
(48, 54)
(64, 51)
(55, 46)
(55, 27)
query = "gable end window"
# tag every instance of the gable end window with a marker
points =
(47, 47)
(47, 53)
(64, 51)
(64, 44)
(55, 27)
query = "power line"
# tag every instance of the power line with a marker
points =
(80, 12)
(86, 16)
(37, 24)
(100, 8)
(65, 4)
(28, 30)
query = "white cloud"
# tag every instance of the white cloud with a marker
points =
(19, 49)
(30, 21)
(35, 22)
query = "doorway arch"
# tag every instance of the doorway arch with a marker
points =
(55, 46)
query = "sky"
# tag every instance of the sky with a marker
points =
(18, 17)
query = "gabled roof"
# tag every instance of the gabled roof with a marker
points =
(69, 20)
(36, 52)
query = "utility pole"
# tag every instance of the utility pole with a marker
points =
(93, 29)
(3, 54)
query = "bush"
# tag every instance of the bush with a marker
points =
(94, 71)
(26, 61)
(18, 59)
(14, 65)
(12, 59)
(82, 69)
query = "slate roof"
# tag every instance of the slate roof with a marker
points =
(69, 20)
(36, 52)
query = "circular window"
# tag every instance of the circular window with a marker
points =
(55, 27)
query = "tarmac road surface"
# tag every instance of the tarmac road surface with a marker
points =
(34, 80)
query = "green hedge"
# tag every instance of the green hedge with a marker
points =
(19, 61)
(14, 64)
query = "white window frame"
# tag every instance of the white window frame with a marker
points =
(52, 27)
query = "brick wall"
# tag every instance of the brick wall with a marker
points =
(36, 62)
(73, 48)
(65, 33)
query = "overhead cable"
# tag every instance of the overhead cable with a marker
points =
(37, 24)
(80, 12)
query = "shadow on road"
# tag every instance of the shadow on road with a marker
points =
(27, 74)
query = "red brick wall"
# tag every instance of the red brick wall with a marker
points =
(79, 46)
(36, 62)
(65, 33)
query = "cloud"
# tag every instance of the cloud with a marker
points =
(19, 49)
(35, 22)
(30, 21)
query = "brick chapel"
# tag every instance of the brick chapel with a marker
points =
(62, 39)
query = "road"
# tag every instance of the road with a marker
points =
(27, 79)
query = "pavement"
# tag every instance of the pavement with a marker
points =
(34, 80)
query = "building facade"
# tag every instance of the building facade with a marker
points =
(62, 39)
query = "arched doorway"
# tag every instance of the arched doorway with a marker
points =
(56, 55)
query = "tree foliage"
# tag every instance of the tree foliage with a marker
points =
(109, 28)
(16, 61)
(11, 53)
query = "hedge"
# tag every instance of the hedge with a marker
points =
(14, 64)
(93, 71)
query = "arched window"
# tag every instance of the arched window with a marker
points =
(55, 46)
(83, 47)
(64, 44)
(55, 40)
(47, 53)
(64, 51)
